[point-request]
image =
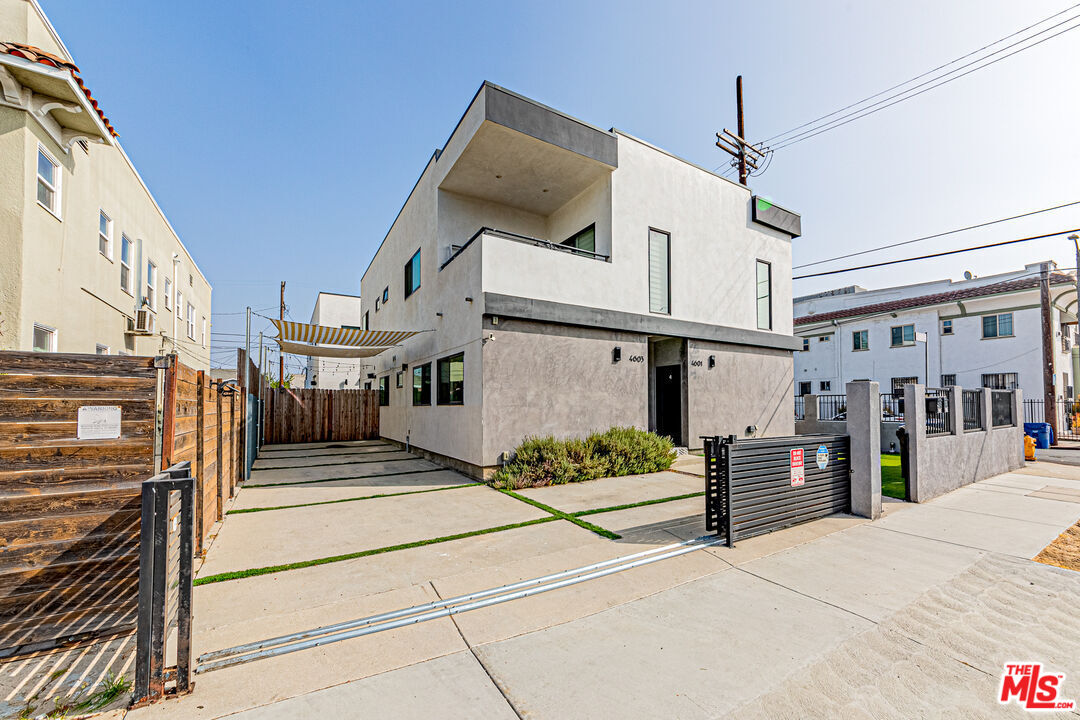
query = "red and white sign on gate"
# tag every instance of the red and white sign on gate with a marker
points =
(798, 468)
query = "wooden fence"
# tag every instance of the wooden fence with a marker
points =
(69, 507)
(201, 424)
(311, 415)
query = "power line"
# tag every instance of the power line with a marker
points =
(929, 72)
(936, 235)
(856, 116)
(934, 255)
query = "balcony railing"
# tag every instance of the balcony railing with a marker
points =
(516, 237)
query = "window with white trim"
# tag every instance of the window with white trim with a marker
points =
(764, 295)
(168, 294)
(127, 250)
(659, 272)
(44, 338)
(105, 229)
(902, 335)
(151, 283)
(190, 321)
(48, 182)
(179, 305)
(995, 326)
(204, 331)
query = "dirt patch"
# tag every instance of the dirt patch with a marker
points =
(1063, 552)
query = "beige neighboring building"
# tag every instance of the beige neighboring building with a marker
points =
(340, 311)
(88, 260)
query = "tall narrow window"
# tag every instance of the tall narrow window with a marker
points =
(126, 251)
(452, 380)
(412, 274)
(151, 285)
(179, 305)
(48, 182)
(659, 272)
(190, 321)
(421, 385)
(105, 234)
(204, 331)
(764, 295)
(384, 390)
(364, 325)
(168, 294)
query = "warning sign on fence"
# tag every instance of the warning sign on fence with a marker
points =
(798, 468)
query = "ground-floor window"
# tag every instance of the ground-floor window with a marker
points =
(102, 349)
(44, 339)
(452, 380)
(900, 382)
(1001, 381)
(421, 384)
(384, 390)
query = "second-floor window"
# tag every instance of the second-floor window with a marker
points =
(583, 239)
(903, 335)
(126, 251)
(805, 344)
(995, 326)
(764, 295)
(48, 182)
(948, 379)
(105, 225)
(364, 323)
(168, 294)
(946, 327)
(412, 274)
(659, 272)
(190, 321)
(860, 340)
(151, 283)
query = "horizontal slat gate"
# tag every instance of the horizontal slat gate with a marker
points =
(69, 508)
(757, 475)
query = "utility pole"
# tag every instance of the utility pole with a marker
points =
(1049, 398)
(733, 144)
(1075, 352)
(281, 356)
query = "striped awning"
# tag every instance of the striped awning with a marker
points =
(295, 332)
(334, 351)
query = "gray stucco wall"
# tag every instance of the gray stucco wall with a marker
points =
(748, 386)
(942, 463)
(542, 379)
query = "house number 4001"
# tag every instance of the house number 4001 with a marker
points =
(637, 358)
(696, 363)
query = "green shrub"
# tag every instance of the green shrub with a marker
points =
(541, 461)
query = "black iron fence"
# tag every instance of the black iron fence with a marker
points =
(1067, 415)
(758, 486)
(892, 408)
(939, 419)
(1001, 408)
(832, 407)
(165, 581)
(1034, 411)
(972, 402)
(800, 408)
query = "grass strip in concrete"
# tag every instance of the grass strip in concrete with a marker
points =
(562, 516)
(269, 569)
(335, 479)
(643, 503)
(352, 499)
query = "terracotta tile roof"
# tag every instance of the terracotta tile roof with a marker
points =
(935, 299)
(33, 54)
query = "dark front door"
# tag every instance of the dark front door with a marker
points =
(669, 402)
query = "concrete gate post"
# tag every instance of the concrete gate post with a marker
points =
(810, 408)
(864, 431)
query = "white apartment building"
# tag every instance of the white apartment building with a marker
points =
(328, 373)
(573, 279)
(88, 261)
(980, 332)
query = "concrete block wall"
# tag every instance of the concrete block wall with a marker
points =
(941, 463)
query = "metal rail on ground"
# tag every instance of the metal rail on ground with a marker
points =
(441, 608)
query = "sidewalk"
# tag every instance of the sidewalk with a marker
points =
(926, 604)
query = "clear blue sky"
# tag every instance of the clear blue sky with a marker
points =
(281, 138)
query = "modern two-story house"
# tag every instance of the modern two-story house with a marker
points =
(573, 279)
(976, 332)
(339, 311)
(89, 263)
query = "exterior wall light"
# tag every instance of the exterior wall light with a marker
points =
(712, 361)
(616, 354)
(751, 429)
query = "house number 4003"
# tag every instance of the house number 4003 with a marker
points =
(637, 358)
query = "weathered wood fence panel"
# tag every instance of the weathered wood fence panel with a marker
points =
(313, 415)
(69, 508)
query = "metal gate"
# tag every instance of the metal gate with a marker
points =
(756, 486)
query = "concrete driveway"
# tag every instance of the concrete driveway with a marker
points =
(908, 616)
